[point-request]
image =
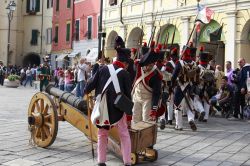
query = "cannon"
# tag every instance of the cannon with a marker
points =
(47, 109)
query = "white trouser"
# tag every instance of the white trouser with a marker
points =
(206, 108)
(170, 108)
(201, 106)
(178, 114)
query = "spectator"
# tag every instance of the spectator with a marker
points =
(28, 77)
(22, 75)
(56, 77)
(241, 89)
(68, 81)
(81, 77)
(61, 79)
(229, 72)
(2, 73)
(218, 76)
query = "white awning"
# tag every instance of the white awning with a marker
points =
(73, 54)
(93, 54)
(61, 57)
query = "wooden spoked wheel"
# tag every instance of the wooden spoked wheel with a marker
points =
(151, 154)
(43, 120)
(134, 158)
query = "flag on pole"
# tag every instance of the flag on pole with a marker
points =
(204, 14)
(216, 35)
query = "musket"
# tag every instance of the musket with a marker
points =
(153, 30)
(158, 37)
(140, 38)
(172, 42)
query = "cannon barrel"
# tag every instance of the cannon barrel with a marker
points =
(68, 98)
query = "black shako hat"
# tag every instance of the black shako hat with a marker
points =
(204, 56)
(150, 57)
(119, 42)
(123, 54)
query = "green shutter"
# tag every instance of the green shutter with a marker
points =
(68, 32)
(56, 34)
(28, 6)
(57, 5)
(68, 3)
(77, 36)
(89, 27)
(34, 37)
(48, 4)
(37, 5)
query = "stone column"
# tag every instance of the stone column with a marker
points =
(230, 45)
(185, 31)
(123, 32)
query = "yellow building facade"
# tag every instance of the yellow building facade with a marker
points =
(30, 32)
(168, 15)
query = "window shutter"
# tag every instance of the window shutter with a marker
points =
(56, 34)
(34, 37)
(48, 1)
(57, 5)
(37, 5)
(68, 32)
(28, 6)
(89, 27)
(68, 3)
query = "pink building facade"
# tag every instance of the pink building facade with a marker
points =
(86, 26)
(62, 28)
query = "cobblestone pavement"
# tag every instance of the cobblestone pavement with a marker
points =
(218, 142)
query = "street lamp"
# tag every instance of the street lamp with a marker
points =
(11, 8)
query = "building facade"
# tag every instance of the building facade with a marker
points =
(86, 26)
(30, 32)
(168, 15)
(62, 32)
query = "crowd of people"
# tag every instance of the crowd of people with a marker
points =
(153, 78)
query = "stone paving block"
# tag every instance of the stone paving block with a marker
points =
(20, 162)
(220, 156)
(232, 149)
(208, 163)
(247, 163)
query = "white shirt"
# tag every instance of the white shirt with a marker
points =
(81, 72)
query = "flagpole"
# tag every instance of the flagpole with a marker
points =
(198, 1)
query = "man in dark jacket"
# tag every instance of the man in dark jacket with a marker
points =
(116, 117)
(241, 89)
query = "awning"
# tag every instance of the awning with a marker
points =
(73, 54)
(61, 57)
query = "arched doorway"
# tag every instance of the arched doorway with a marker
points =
(109, 51)
(245, 41)
(134, 37)
(215, 48)
(31, 59)
(169, 35)
(111, 39)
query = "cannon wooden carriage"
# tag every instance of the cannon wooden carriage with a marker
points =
(47, 109)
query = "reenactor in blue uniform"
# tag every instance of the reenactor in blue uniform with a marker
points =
(45, 74)
(167, 72)
(186, 71)
(204, 88)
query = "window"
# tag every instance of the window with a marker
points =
(68, 32)
(112, 2)
(34, 37)
(49, 35)
(33, 6)
(89, 27)
(49, 4)
(77, 30)
(68, 3)
(56, 34)
(57, 5)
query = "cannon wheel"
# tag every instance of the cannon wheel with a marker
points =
(43, 120)
(134, 158)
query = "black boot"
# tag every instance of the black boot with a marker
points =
(162, 124)
(101, 164)
(170, 122)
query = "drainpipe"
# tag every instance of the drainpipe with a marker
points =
(41, 48)
(73, 25)
(121, 13)
(100, 28)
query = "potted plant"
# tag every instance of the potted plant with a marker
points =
(12, 81)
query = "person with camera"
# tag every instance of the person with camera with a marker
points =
(241, 88)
